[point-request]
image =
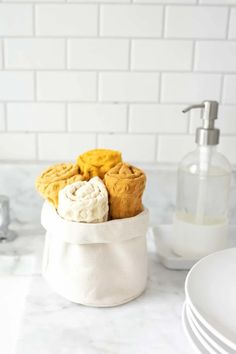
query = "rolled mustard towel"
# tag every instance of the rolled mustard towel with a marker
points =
(97, 162)
(84, 201)
(125, 185)
(55, 178)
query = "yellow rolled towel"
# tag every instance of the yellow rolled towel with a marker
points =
(97, 162)
(125, 185)
(56, 177)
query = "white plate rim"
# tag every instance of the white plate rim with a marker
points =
(199, 337)
(214, 331)
(202, 333)
(209, 336)
(187, 332)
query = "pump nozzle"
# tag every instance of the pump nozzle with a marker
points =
(207, 134)
(193, 106)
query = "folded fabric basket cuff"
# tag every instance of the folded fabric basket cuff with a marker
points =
(83, 233)
(102, 264)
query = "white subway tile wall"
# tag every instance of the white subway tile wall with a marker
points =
(77, 74)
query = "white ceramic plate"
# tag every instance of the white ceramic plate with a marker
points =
(199, 348)
(211, 294)
(207, 335)
(201, 339)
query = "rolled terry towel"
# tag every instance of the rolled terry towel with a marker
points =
(84, 201)
(55, 178)
(125, 185)
(97, 162)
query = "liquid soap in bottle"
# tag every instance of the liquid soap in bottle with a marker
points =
(201, 216)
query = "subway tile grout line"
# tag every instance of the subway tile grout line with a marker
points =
(98, 20)
(94, 3)
(128, 109)
(67, 45)
(193, 56)
(5, 112)
(117, 37)
(97, 87)
(34, 20)
(228, 24)
(108, 132)
(122, 71)
(156, 147)
(159, 99)
(35, 80)
(130, 49)
(52, 102)
(66, 117)
(163, 22)
(37, 146)
(3, 53)
(222, 88)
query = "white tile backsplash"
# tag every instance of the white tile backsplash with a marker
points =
(229, 89)
(2, 117)
(232, 23)
(16, 85)
(35, 53)
(17, 146)
(1, 54)
(114, 73)
(36, 117)
(110, 118)
(131, 20)
(66, 20)
(16, 20)
(196, 22)
(98, 54)
(215, 56)
(63, 147)
(161, 55)
(128, 87)
(134, 147)
(66, 86)
(190, 87)
(157, 118)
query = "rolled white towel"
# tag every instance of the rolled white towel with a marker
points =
(84, 201)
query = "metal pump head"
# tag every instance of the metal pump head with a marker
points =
(207, 134)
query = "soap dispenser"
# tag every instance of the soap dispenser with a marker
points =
(201, 216)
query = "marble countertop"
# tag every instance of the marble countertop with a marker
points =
(45, 323)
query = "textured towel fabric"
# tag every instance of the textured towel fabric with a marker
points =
(84, 201)
(125, 185)
(55, 178)
(97, 162)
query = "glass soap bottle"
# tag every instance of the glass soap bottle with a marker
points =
(204, 175)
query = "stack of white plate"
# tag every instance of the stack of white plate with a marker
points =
(209, 313)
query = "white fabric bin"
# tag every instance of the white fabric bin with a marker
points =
(103, 264)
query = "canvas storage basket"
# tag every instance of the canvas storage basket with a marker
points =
(102, 264)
